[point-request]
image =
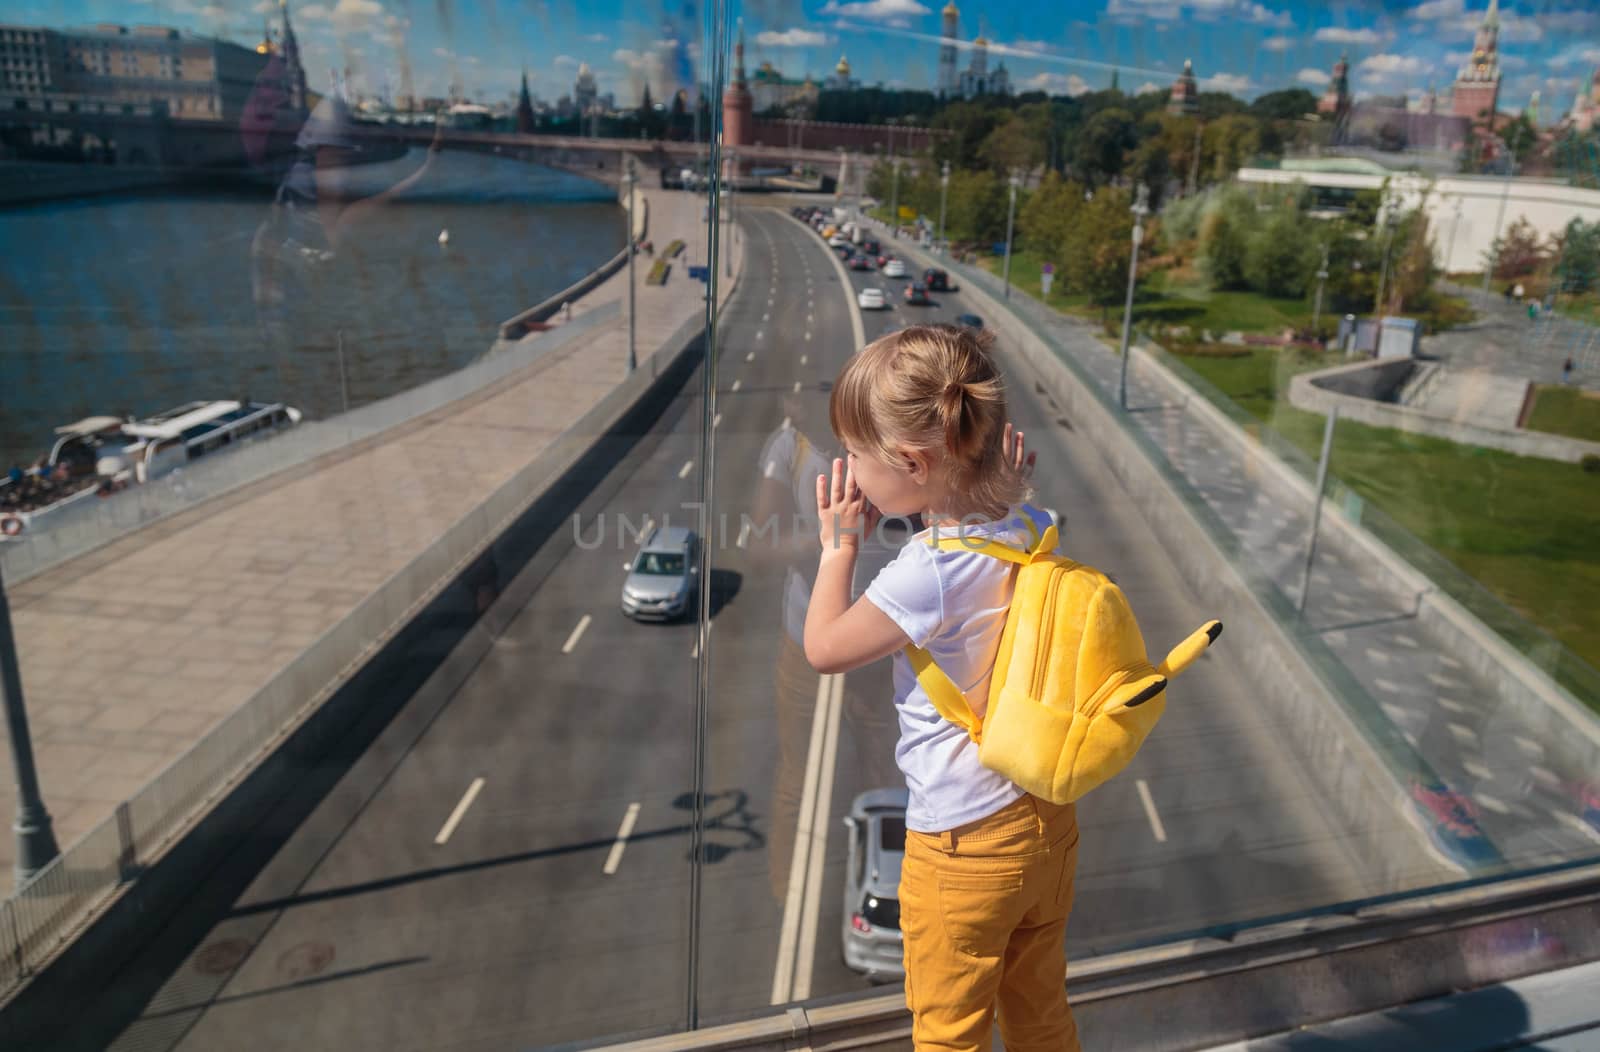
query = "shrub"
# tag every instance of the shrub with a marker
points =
(1590, 463)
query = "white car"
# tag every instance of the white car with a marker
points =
(837, 240)
(894, 269)
(871, 299)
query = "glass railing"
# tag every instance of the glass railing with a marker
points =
(411, 422)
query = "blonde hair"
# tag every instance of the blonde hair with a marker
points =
(934, 389)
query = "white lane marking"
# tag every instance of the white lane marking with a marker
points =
(769, 301)
(797, 387)
(688, 466)
(744, 535)
(786, 423)
(750, 357)
(627, 566)
(694, 651)
(808, 337)
(461, 809)
(735, 386)
(577, 634)
(1579, 824)
(799, 861)
(809, 319)
(624, 831)
(716, 421)
(765, 317)
(1150, 813)
(803, 359)
(805, 959)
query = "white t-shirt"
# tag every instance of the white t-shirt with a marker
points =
(953, 604)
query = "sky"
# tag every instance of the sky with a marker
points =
(1061, 46)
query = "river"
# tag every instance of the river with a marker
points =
(135, 303)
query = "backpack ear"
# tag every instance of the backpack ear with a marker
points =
(1184, 654)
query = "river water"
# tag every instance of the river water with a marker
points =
(135, 303)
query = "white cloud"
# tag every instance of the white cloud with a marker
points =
(312, 12)
(1030, 45)
(444, 53)
(1588, 56)
(1148, 87)
(791, 38)
(1208, 10)
(345, 15)
(1433, 9)
(1341, 35)
(1313, 76)
(1232, 83)
(565, 62)
(1278, 43)
(890, 11)
(1057, 83)
(1387, 65)
(1137, 10)
(596, 38)
(1262, 15)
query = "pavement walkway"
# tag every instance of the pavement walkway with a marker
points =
(132, 653)
(1494, 774)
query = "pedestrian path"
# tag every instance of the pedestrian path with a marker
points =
(1488, 784)
(132, 653)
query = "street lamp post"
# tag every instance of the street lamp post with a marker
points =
(1322, 279)
(1011, 214)
(36, 840)
(894, 198)
(1454, 223)
(1140, 209)
(1499, 217)
(1383, 274)
(944, 196)
(629, 179)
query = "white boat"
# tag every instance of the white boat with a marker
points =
(100, 455)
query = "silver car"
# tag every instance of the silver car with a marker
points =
(876, 829)
(665, 575)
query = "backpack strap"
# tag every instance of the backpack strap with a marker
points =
(942, 691)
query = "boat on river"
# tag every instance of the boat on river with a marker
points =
(99, 456)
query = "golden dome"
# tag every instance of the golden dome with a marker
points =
(980, 42)
(843, 68)
(950, 9)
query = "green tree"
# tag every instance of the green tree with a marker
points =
(1048, 218)
(1103, 144)
(1412, 270)
(977, 209)
(1100, 247)
(969, 124)
(1225, 233)
(1578, 266)
(1518, 252)
(1289, 104)
(1012, 147)
(1152, 165)
(1279, 259)
(1230, 142)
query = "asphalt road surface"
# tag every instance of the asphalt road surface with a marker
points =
(509, 864)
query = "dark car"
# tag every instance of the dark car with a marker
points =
(917, 294)
(936, 279)
(870, 247)
(860, 263)
(971, 321)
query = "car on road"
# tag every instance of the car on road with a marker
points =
(838, 241)
(971, 321)
(665, 575)
(917, 294)
(893, 268)
(870, 246)
(936, 279)
(872, 299)
(859, 262)
(875, 828)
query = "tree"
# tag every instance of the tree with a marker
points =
(1010, 147)
(1517, 253)
(1152, 166)
(1578, 266)
(1051, 213)
(1289, 104)
(1230, 142)
(1225, 232)
(1279, 259)
(1102, 145)
(977, 209)
(1413, 271)
(1101, 246)
(969, 124)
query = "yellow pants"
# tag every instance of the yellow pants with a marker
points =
(983, 908)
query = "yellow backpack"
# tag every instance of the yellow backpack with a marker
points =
(1072, 695)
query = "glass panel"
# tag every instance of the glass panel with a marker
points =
(414, 577)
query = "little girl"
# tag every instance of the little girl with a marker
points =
(986, 883)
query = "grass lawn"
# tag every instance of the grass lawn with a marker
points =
(1566, 411)
(1523, 527)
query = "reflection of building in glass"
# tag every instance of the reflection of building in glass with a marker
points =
(978, 79)
(194, 78)
(949, 79)
(1185, 98)
(771, 91)
(525, 118)
(585, 93)
(1585, 106)
(738, 106)
(1334, 105)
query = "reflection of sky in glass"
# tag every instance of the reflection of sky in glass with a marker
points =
(134, 303)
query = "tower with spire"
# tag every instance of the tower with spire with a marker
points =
(1477, 88)
(1185, 98)
(525, 118)
(738, 105)
(949, 79)
(294, 74)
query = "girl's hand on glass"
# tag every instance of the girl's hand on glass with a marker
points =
(844, 511)
(1020, 459)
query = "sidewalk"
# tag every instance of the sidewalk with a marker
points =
(132, 653)
(1492, 772)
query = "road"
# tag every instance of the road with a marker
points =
(509, 864)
